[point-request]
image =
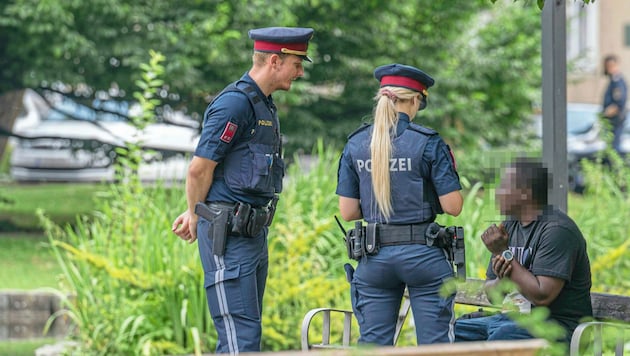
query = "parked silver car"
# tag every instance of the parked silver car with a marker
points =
(585, 140)
(72, 142)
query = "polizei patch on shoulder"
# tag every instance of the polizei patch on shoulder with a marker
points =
(228, 132)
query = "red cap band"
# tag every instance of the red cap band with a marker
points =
(399, 81)
(277, 47)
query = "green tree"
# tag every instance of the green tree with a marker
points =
(99, 45)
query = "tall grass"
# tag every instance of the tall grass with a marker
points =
(602, 214)
(138, 289)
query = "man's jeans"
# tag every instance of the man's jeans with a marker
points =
(494, 327)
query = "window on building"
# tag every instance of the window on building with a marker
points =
(582, 30)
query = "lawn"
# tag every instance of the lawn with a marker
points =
(25, 259)
(23, 347)
(26, 262)
(61, 202)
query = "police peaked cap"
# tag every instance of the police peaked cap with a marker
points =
(400, 75)
(290, 40)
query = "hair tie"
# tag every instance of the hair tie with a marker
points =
(388, 93)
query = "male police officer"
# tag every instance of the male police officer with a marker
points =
(233, 181)
(615, 97)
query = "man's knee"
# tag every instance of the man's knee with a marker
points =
(509, 331)
(471, 329)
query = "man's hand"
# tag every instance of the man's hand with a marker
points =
(611, 111)
(495, 238)
(185, 226)
(501, 267)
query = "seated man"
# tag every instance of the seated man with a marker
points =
(541, 250)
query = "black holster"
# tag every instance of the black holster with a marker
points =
(249, 221)
(241, 218)
(354, 241)
(220, 220)
(362, 240)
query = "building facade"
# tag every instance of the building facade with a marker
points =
(594, 31)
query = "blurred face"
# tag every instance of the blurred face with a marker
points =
(286, 70)
(610, 67)
(510, 198)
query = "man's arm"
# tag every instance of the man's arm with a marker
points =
(619, 97)
(198, 182)
(540, 290)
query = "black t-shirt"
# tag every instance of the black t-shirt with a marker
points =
(553, 246)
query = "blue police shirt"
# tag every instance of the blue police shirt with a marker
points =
(616, 93)
(409, 174)
(227, 120)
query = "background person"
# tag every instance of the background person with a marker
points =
(236, 171)
(615, 97)
(541, 250)
(399, 175)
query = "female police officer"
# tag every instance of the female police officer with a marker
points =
(397, 176)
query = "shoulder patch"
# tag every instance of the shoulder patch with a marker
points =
(361, 128)
(422, 129)
(228, 132)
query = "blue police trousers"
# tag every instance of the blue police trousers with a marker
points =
(377, 289)
(235, 285)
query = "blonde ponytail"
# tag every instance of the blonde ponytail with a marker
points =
(381, 148)
(385, 120)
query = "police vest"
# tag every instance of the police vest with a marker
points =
(412, 194)
(255, 165)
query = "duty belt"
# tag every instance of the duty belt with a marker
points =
(389, 235)
(223, 206)
(234, 209)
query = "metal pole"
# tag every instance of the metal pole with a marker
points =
(554, 99)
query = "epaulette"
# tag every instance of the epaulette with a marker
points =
(361, 128)
(422, 129)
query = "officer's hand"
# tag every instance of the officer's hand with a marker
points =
(501, 267)
(192, 227)
(182, 226)
(495, 238)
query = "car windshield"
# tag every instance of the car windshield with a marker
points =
(67, 109)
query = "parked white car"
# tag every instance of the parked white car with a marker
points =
(67, 141)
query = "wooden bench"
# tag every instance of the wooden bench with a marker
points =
(611, 314)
